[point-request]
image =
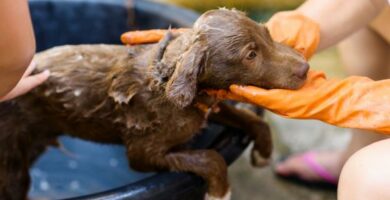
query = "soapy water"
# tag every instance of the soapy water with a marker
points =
(80, 168)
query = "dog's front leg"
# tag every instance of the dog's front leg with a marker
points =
(253, 125)
(207, 164)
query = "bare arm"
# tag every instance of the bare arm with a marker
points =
(17, 42)
(340, 18)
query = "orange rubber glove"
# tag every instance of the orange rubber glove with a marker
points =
(147, 36)
(354, 102)
(295, 30)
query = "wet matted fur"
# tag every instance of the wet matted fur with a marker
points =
(144, 97)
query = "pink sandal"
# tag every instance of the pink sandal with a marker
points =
(328, 179)
(309, 159)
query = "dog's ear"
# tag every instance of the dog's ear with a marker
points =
(182, 86)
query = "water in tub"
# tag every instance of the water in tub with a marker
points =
(80, 168)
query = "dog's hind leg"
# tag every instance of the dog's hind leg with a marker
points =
(14, 165)
(14, 182)
(253, 125)
(18, 150)
(207, 164)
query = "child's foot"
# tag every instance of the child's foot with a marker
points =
(313, 166)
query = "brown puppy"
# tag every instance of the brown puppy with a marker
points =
(144, 97)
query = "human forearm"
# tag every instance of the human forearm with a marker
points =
(17, 43)
(339, 18)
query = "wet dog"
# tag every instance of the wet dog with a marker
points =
(146, 98)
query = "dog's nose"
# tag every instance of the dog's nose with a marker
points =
(302, 71)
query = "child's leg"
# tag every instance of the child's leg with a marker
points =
(366, 175)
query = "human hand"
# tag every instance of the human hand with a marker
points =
(289, 103)
(353, 102)
(274, 99)
(295, 30)
(27, 82)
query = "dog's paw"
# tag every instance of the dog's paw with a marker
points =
(227, 196)
(257, 160)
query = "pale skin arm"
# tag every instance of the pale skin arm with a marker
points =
(17, 48)
(340, 18)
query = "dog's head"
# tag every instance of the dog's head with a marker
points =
(229, 48)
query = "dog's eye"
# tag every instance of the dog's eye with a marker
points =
(251, 55)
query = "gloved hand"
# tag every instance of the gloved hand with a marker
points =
(295, 30)
(147, 36)
(354, 102)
